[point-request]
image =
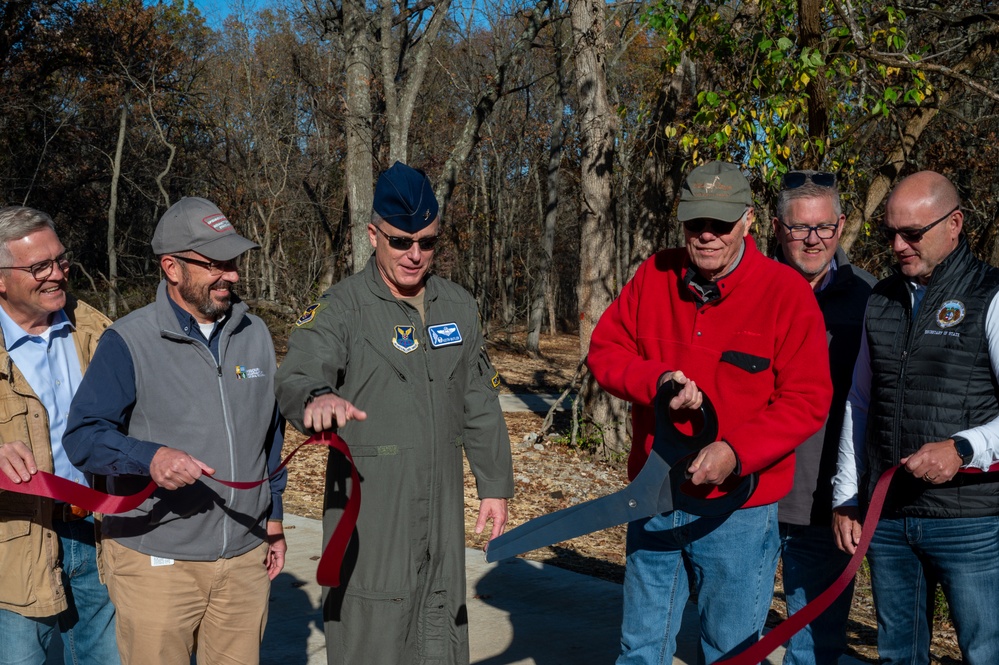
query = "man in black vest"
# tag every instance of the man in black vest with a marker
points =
(924, 396)
(808, 224)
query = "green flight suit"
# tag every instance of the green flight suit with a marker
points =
(429, 392)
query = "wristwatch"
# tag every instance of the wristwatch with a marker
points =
(325, 390)
(964, 449)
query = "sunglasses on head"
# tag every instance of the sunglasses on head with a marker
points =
(795, 179)
(403, 244)
(715, 226)
(914, 235)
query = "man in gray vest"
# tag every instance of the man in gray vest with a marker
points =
(177, 392)
(924, 395)
(808, 225)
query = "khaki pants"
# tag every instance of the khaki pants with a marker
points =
(166, 612)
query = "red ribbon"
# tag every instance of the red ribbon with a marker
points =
(328, 573)
(783, 631)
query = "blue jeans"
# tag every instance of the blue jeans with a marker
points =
(906, 556)
(729, 561)
(87, 627)
(811, 563)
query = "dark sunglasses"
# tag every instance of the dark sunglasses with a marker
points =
(403, 244)
(715, 226)
(913, 235)
(795, 179)
(214, 268)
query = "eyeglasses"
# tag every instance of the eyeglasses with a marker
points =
(795, 179)
(914, 235)
(42, 270)
(802, 231)
(715, 226)
(215, 268)
(403, 244)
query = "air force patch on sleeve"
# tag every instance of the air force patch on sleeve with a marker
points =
(309, 314)
(444, 334)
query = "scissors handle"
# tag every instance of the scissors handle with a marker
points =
(679, 450)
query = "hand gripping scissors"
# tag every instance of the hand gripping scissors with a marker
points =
(658, 488)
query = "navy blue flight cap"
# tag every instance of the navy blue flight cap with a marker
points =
(405, 199)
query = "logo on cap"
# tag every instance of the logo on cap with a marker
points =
(218, 223)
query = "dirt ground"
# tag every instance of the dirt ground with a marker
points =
(550, 475)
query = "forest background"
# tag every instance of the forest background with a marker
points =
(556, 133)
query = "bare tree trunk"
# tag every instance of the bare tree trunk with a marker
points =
(360, 186)
(542, 291)
(598, 126)
(113, 213)
(809, 33)
(470, 133)
(402, 75)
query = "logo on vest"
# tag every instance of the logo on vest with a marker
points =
(253, 373)
(950, 314)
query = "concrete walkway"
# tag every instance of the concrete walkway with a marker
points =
(520, 612)
(536, 402)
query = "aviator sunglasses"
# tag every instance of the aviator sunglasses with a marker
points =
(914, 235)
(403, 244)
(715, 226)
(795, 179)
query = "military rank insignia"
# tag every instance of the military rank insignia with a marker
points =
(405, 339)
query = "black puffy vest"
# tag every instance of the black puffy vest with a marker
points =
(931, 379)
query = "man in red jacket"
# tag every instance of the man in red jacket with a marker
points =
(722, 318)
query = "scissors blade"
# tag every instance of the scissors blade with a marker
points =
(645, 496)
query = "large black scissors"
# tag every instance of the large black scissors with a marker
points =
(660, 487)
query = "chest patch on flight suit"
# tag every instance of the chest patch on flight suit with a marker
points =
(444, 334)
(405, 339)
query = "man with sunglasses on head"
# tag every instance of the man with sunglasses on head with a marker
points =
(178, 392)
(50, 585)
(393, 359)
(924, 396)
(807, 225)
(720, 317)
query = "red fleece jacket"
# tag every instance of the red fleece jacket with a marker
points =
(758, 352)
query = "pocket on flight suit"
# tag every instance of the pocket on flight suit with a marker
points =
(433, 634)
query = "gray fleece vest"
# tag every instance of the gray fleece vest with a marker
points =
(219, 413)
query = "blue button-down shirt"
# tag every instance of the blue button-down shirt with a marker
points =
(51, 367)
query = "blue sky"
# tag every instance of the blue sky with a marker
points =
(216, 11)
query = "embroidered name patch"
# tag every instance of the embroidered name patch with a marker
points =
(950, 314)
(405, 339)
(444, 334)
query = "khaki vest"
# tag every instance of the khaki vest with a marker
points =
(31, 582)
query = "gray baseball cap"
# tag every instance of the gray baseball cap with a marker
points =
(198, 225)
(716, 190)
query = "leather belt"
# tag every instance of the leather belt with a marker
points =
(67, 512)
